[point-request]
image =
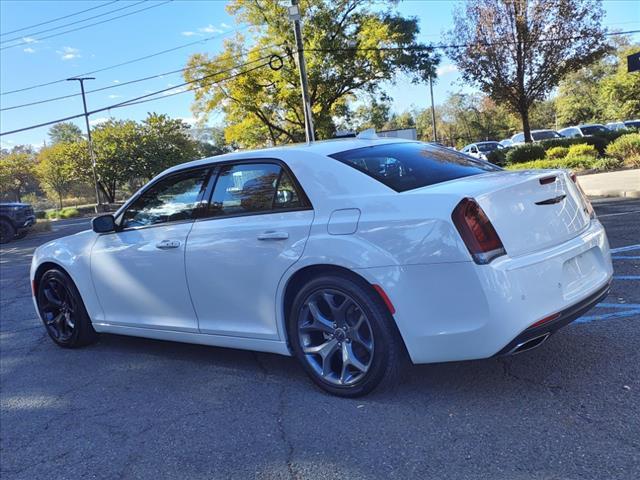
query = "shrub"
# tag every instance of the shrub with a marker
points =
(577, 163)
(67, 212)
(498, 156)
(607, 163)
(626, 149)
(557, 152)
(598, 142)
(525, 153)
(582, 150)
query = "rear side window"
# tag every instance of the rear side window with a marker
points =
(254, 188)
(406, 166)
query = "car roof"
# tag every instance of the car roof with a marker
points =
(321, 147)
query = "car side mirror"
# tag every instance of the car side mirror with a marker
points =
(103, 223)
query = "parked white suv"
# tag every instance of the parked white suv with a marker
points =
(481, 149)
(536, 135)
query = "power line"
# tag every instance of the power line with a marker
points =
(20, 37)
(58, 18)
(87, 26)
(121, 84)
(128, 62)
(145, 98)
(462, 45)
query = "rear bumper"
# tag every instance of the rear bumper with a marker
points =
(567, 316)
(463, 311)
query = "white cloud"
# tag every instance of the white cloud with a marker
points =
(116, 81)
(29, 40)
(190, 34)
(210, 29)
(174, 90)
(68, 53)
(446, 69)
(224, 25)
(98, 121)
(190, 120)
(29, 50)
(115, 96)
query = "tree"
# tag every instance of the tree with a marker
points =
(65, 132)
(57, 167)
(516, 51)
(341, 40)
(17, 172)
(118, 146)
(165, 142)
(372, 114)
(620, 91)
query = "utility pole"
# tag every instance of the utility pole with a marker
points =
(91, 153)
(433, 109)
(294, 14)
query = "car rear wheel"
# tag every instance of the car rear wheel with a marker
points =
(344, 336)
(7, 232)
(62, 310)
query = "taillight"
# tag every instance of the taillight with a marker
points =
(589, 208)
(476, 231)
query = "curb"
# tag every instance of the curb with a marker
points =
(613, 193)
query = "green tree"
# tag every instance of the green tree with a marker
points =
(65, 132)
(165, 142)
(620, 92)
(17, 172)
(57, 168)
(118, 148)
(341, 48)
(371, 114)
(516, 51)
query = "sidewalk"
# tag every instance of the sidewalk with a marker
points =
(625, 183)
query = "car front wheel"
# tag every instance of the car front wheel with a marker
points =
(62, 310)
(344, 336)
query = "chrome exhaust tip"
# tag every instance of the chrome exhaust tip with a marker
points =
(529, 344)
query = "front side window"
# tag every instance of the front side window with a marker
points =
(253, 188)
(405, 166)
(174, 198)
(594, 130)
(519, 137)
(545, 135)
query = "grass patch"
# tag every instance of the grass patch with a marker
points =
(573, 163)
(67, 212)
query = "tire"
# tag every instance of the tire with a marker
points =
(7, 231)
(325, 326)
(63, 312)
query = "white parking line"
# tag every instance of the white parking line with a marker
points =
(628, 248)
(616, 214)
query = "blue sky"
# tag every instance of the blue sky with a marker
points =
(163, 27)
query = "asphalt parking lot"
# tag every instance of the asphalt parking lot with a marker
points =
(134, 408)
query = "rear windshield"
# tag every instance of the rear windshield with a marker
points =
(405, 166)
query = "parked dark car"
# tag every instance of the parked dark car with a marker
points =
(15, 220)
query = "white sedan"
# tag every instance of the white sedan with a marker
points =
(351, 255)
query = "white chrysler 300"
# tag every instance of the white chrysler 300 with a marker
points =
(352, 255)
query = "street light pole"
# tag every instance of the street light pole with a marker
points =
(91, 152)
(294, 14)
(433, 109)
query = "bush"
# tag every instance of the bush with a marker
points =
(555, 153)
(498, 156)
(577, 163)
(582, 150)
(626, 149)
(599, 142)
(525, 153)
(67, 212)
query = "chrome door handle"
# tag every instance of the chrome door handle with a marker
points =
(273, 236)
(167, 244)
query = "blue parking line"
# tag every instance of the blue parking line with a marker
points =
(628, 248)
(626, 277)
(619, 305)
(608, 316)
(623, 257)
